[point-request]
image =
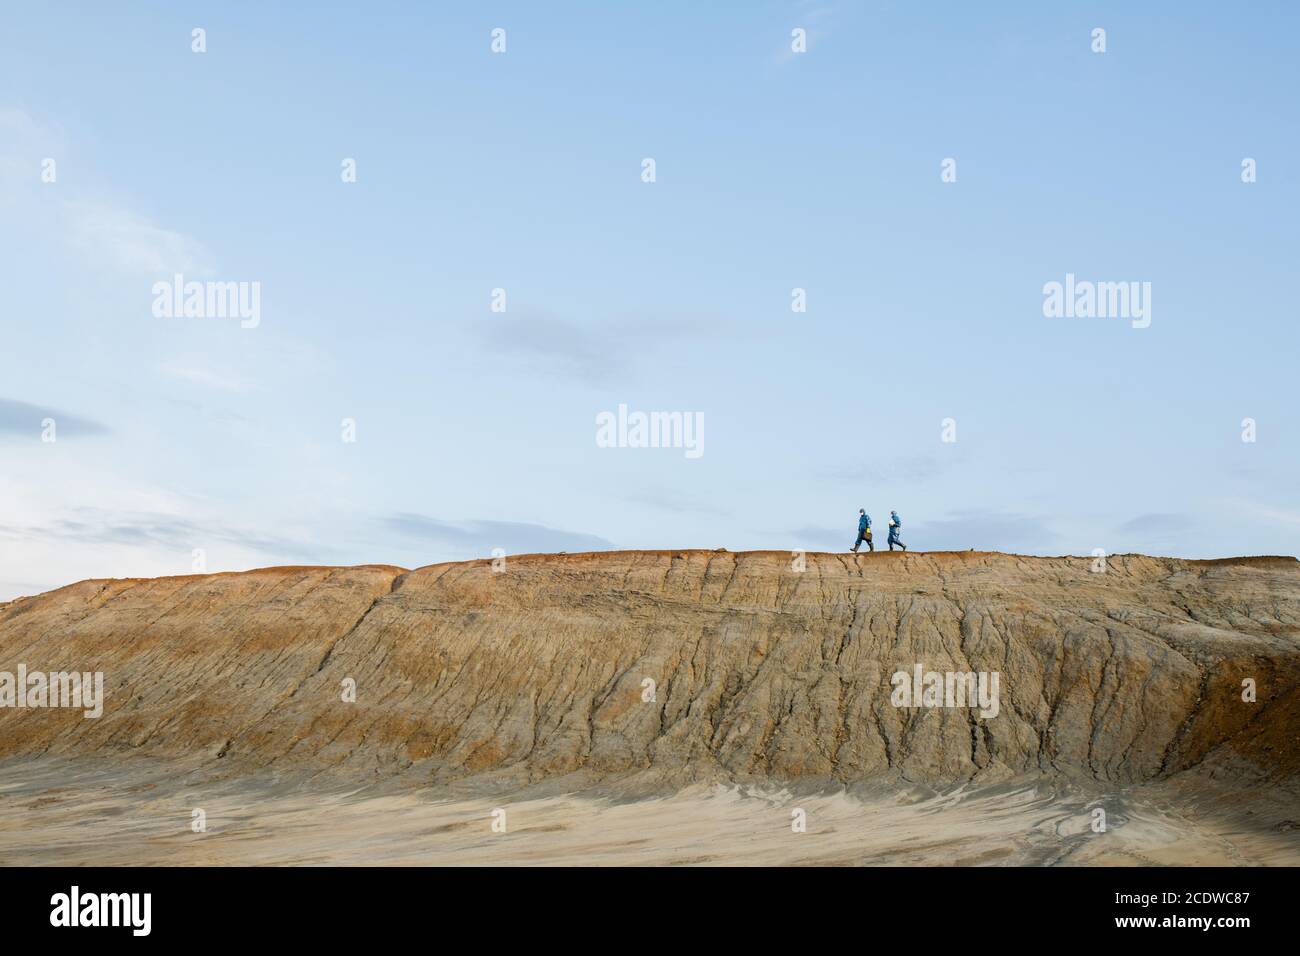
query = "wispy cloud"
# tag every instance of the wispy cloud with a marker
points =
(480, 537)
(119, 239)
(90, 526)
(907, 469)
(106, 234)
(673, 501)
(813, 18)
(1269, 513)
(23, 144)
(1158, 525)
(590, 352)
(23, 418)
(205, 377)
(553, 345)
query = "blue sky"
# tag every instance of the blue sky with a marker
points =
(522, 171)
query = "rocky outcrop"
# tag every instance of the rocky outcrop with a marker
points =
(680, 665)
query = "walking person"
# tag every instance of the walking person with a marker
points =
(895, 526)
(864, 531)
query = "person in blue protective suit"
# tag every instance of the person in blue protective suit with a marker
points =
(864, 531)
(895, 527)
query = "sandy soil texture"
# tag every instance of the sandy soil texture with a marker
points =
(60, 815)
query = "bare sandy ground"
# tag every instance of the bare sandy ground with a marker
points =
(54, 814)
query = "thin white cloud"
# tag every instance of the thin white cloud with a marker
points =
(810, 16)
(1267, 512)
(205, 377)
(116, 238)
(479, 537)
(106, 234)
(595, 351)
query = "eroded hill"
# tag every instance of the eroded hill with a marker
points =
(679, 666)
